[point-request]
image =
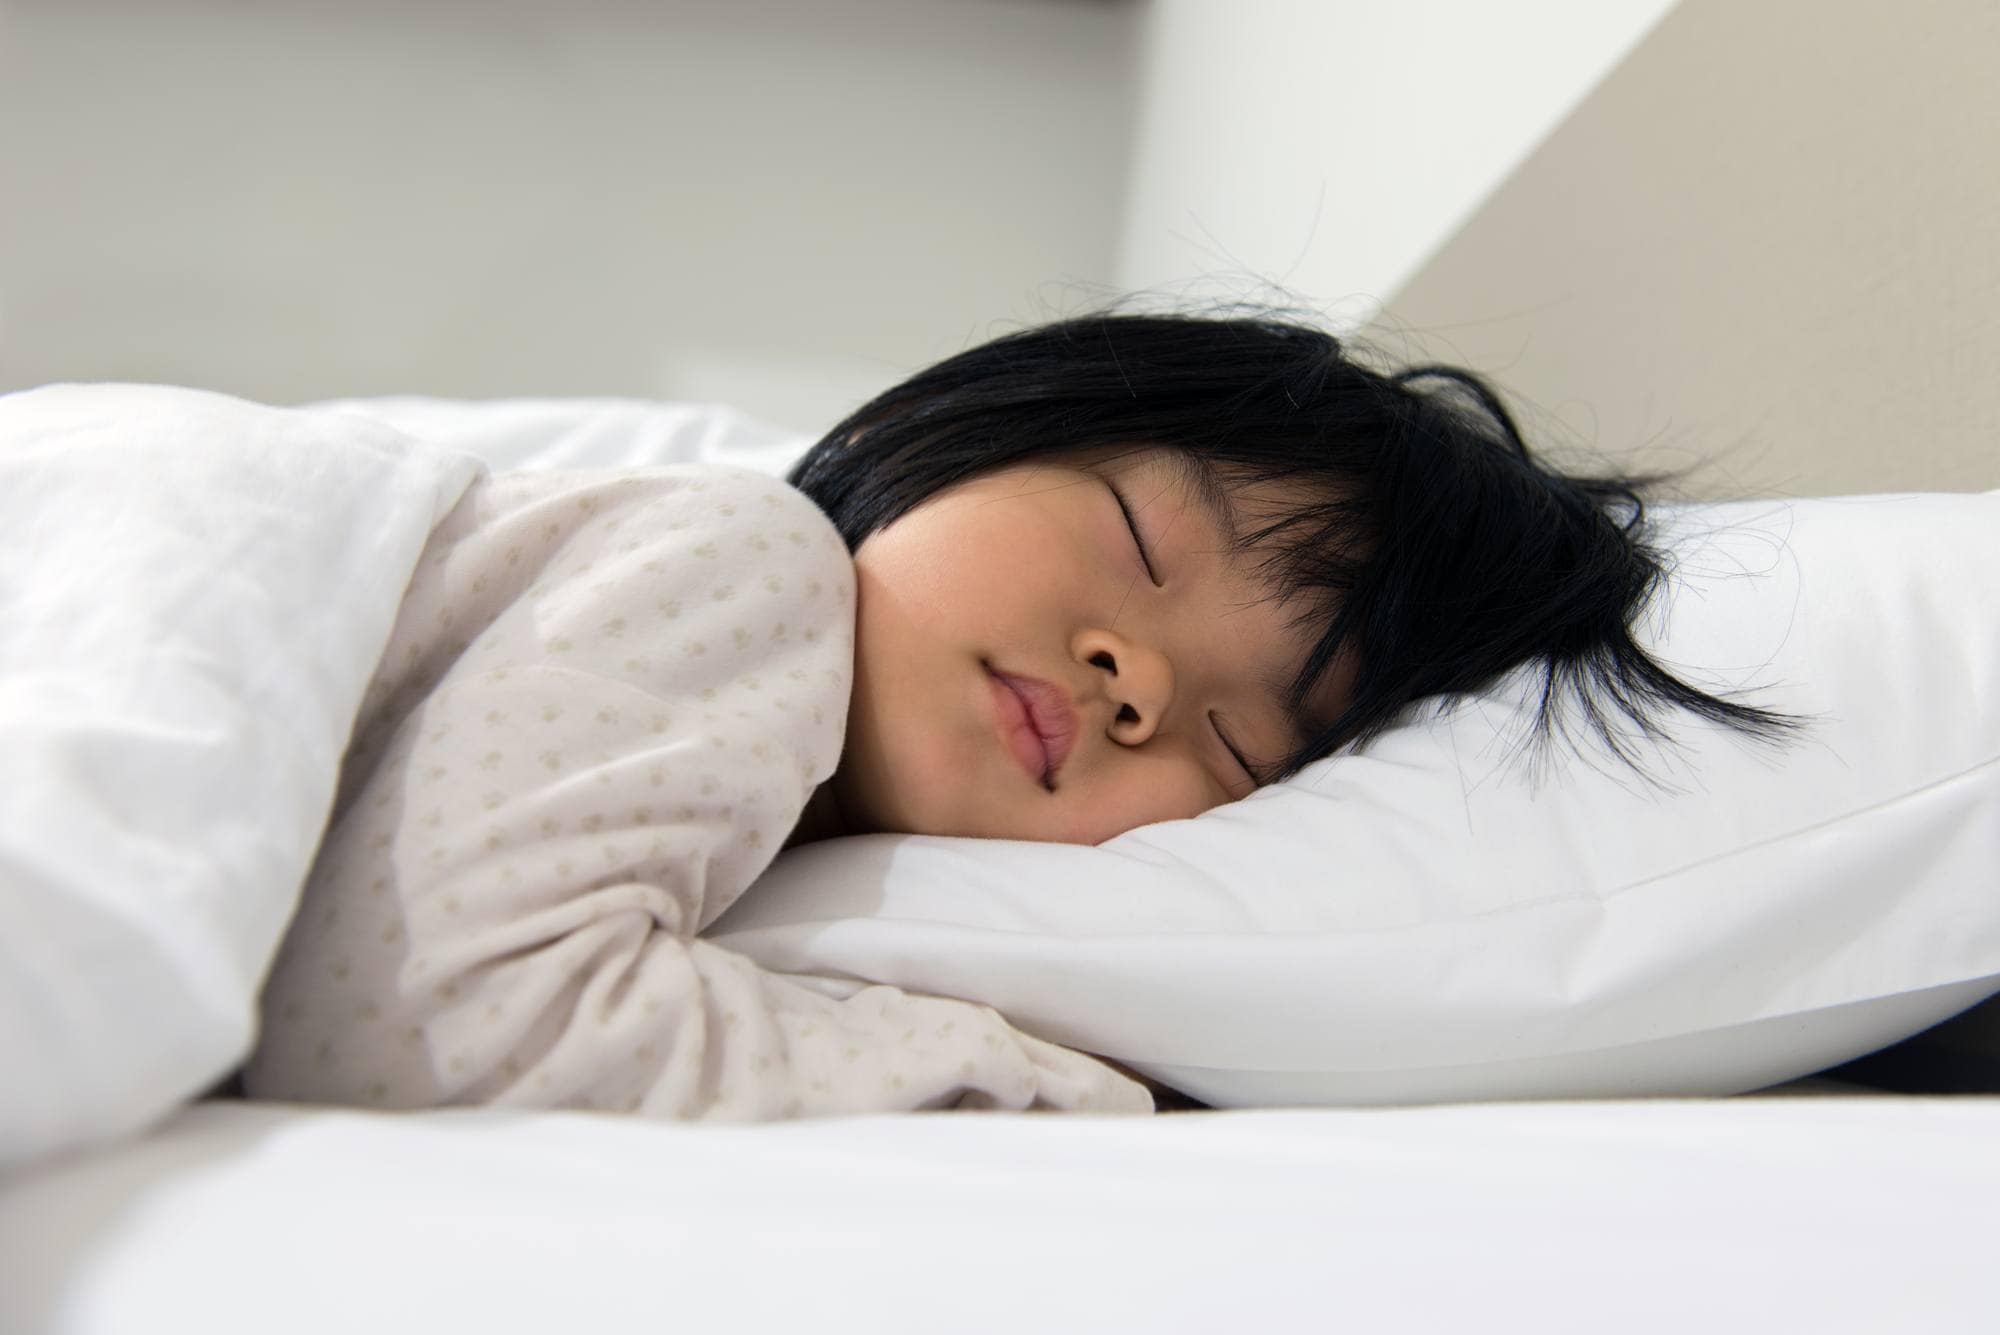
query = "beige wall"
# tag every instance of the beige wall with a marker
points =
(1769, 240)
(1326, 146)
(783, 204)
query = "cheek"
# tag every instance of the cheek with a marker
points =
(885, 755)
(990, 581)
(977, 553)
(1140, 795)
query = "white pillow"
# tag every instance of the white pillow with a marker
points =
(1428, 920)
(194, 591)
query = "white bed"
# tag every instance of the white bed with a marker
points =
(1803, 1213)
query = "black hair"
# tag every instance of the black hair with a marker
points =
(1430, 542)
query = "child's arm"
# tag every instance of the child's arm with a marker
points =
(507, 907)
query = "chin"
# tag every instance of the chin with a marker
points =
(947, 826)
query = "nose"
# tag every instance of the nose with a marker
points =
(1138, 680)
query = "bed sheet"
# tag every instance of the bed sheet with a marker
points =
(1820, 1214)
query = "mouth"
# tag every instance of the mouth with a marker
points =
(1035, 720)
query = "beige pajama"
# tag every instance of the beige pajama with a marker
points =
(606, 700)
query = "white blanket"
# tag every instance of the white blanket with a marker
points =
(193, 592)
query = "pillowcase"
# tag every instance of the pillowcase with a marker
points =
(1436, 918)
(194, 592)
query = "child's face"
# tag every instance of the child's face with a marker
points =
(1032, 572)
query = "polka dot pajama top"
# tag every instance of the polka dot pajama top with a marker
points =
(604, 704)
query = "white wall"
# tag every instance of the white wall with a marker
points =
(785, 204)
(1331, 145)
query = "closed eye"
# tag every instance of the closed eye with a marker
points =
(1133, 525)
(1236, 755)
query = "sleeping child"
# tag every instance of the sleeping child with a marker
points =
(1093, 575)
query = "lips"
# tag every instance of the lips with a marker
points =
(1037, 721)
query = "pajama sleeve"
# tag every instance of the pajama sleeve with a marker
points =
(606, 702)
